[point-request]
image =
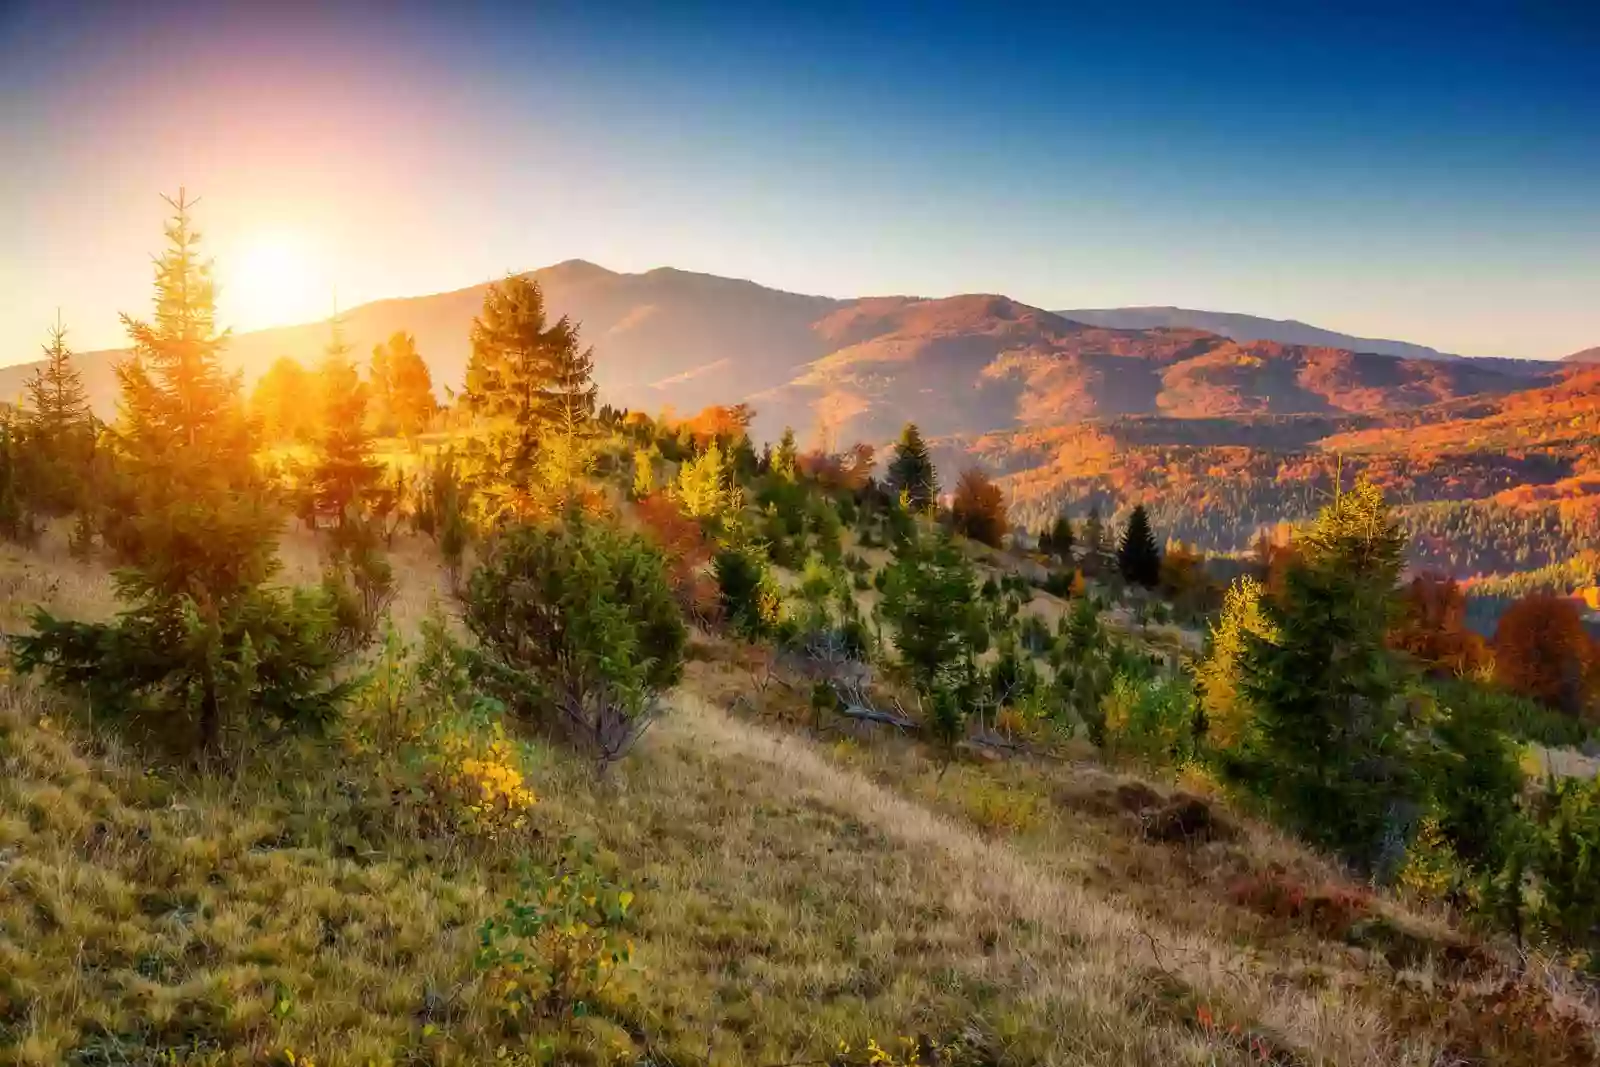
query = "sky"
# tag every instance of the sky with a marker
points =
(1430, 174)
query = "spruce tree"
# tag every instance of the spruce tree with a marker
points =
(911, 470)
(345, 476)
(931, 598)
(528, 380)
(411, 398)
(194, 518)
(1138, 557)
(401, 387)
(189, 514)
(61, 430)
(1325, 689)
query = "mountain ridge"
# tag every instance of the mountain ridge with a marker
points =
(966, 363)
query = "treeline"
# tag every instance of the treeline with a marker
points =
(1219, 507)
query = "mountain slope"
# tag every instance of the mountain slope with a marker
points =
(1250, 328)
(860, 368)
(1588, 355)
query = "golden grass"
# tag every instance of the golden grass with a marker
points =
(793, 892)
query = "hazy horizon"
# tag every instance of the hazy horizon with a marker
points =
(1426, 176)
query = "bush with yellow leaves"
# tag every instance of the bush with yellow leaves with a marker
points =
(558, 952)
(476, 771)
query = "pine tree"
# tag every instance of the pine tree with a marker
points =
(1061, 539)
(1324, 687)
(911, 470)
(931, 598)
(61, 430)
(529, 380)
(1138, 558)
(203, 639)
(15, 523)
(345, 476)
(380, 387)
(193, 517)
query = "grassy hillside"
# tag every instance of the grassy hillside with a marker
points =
(795, 887)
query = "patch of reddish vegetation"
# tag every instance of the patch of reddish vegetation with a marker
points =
(1330, 910)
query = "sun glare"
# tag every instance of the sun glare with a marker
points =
(273, 280)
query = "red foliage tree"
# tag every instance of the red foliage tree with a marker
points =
(1543, 651)
(683, 542)
(1433, 627)
(979, 508)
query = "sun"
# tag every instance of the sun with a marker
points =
(274, 279)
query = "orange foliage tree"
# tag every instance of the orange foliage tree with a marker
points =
(683, 542)
(848, 470)
(1433, 627)
(1543, 651)
(979, 508)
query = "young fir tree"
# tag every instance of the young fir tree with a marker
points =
(527, 379)
(61, 430)
(345, 476)
(15, 522)
(203, 639)
(786, 460)
(931, 599)
(911, 470)
(1324, 687)
(1138, 557)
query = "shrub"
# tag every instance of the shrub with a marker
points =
(1151, 718)
(576, 622)
(1566, 860)
(555, 953)
(477, 774)
(750, 599)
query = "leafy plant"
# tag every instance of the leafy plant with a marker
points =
(556, 952)
(576, 623)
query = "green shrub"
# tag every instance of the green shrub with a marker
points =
(576, 623)
(556, 952)
(749, 597)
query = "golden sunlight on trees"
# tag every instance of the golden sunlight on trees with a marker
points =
(205, 644)
(282, 403)
(345, 476)
(531, 384)
(402, 387)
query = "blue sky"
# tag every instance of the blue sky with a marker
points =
(1425, 173)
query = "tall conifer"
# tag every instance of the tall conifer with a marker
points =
(911, 470)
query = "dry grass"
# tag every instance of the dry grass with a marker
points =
(792, 892)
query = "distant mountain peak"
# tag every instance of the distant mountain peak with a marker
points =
(1588, 355)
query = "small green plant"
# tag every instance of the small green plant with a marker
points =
(556, 952)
